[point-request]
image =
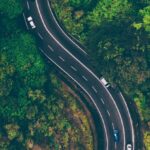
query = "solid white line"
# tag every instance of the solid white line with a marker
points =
(50, 48)
(61, 58)
(86, 69)
(73, 68)
(131, 122)
(124, 136)
(94, 89)
(84, 78)
(108, 113)
(62, 30)
(102, 101)
(103, 122)
(41, 37)
(25, 21)
(28, 6)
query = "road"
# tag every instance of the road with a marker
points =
(72, 60)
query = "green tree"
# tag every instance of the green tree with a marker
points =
(79, 3)
(107, 11)
(11, 8)
(37, 95)
(12, 131)
(145, 22)
(7, 71)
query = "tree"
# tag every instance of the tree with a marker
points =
(145, 22)
(22, 51)
(12, 131)
(7, 71)
(11, 8)
(79, 3)
(107, 11)
(32, 112)
(37, 95)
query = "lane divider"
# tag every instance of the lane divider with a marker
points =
(103, 122)
(62, 30)
(86, 69)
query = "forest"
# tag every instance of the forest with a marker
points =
(116, 34)
(37, 111)
(36, 108)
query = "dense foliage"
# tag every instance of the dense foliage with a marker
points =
(116, 34)
(35, 109)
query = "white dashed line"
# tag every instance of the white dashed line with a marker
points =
(68, 52)
(41, 37)
(84, 78)
(73, 68)
(108, 113)
(28, 6)
(61, 58)
(131, 121)
(50, 48)
(62, 30)
(102, 101)
(103, 122)
(25, 21)
(113, 125)
(60, 44)
(94, 89)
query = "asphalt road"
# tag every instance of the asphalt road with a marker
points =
(72, 60)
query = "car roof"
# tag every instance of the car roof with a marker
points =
(29, 18)
(103, 80)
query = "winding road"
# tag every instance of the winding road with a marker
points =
(60, 48)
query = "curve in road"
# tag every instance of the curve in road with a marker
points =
(56, 49)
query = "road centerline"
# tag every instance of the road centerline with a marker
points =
(40, 36)
(73, 68)
(28, 6)
(60, 57)
(94, 89)
(50, 48)
(84, 78)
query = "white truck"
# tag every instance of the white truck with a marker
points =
(104, 82)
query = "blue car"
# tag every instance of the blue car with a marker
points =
(116, 135)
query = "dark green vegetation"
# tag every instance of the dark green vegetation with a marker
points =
(35, 109)
(116, 34)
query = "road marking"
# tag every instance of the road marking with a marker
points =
(103, 122)
(41, 37)
(115, 145)
(131, 121)
(113, 126)
(60, 44)
(28, 6)
(25, 21)
(108, 92)
(94, 89)
(108, 113)
(50, 48)
(61, 58)
(102, 101)
(62, 30)
(84, 78)
(73, 68)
